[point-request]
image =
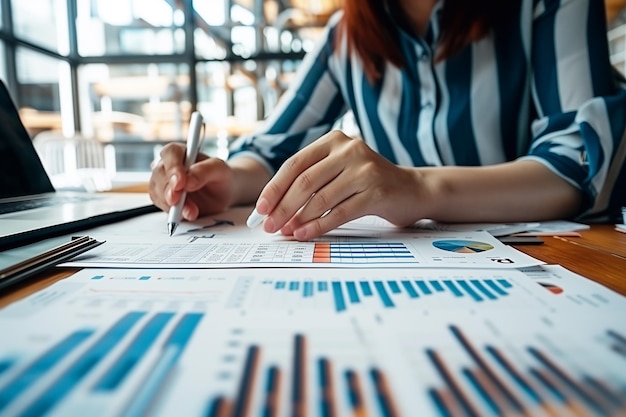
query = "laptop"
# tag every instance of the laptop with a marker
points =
(30, 207)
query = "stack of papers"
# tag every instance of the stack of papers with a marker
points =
(378, 321)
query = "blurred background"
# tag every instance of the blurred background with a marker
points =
(102, 85)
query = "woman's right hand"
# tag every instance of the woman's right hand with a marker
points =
(208, 183)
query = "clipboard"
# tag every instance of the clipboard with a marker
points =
(24, 269)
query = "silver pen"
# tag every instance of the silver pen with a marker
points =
(193, 145)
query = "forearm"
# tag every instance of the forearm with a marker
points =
(515, 191)
(249, 178)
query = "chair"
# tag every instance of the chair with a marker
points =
(76, 162)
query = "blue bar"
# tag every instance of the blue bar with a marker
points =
(495, 287)
(409, 289)
(133, 353)
(322, 286)
(326, 403)
(423, 287)
(183, 331)
(298, 382)
(270, 405)
(394, 287)
(97, 277)
(606, 393)
(172, 349)
(517, 377)
(505, 283)
(366, 256)
(41, 365)
(437, 286)
(560, 396)
(453, 387)
(352, 294)
(142, 399)
(218, 407)
(144, 278)
(294, 286)
(470, 290)
(365, 287)
(382, 292)
(340, 304)
(5, 365)
(439, 404)
(483, 393)
(385, 403)
(453, 288)
(567, 380)
(280, 285)
(483, 290)
(308, 289)
(82, 366)
(246, 385)
(354, 395)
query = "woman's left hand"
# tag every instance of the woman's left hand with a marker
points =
(334, 180)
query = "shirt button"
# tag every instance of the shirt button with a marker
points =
(424, 57)
(427, 105)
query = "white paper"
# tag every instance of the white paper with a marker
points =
(225, 242)
(114, 342)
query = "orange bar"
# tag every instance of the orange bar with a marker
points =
(382, 386)
(321, 259)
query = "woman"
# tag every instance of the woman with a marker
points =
(469, 111)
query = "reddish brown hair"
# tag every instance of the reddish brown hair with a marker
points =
(370, 28)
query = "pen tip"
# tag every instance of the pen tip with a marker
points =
(171, 228)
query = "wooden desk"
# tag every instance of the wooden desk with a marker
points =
(600, 255)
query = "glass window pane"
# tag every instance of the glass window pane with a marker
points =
(135, 101)
(129, 27)
(136, 108)
(44, 92)
(3, 65)
(42, 22)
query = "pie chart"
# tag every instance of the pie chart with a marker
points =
(462, 246)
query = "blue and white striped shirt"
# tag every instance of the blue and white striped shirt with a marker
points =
(541, 88)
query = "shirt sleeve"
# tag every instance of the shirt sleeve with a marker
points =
(580, 103)
(307, 110)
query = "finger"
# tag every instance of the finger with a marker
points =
(203, 172)
(344, 212)
(305, 185)
(293, 167)
(326, 198)
(156, 186)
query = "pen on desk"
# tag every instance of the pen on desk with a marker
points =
(193, 145)
(254, 219)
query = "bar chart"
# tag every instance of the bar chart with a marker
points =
(468, 375)
(386, 294)
(500, 384)
(53, 377)
(330, 342)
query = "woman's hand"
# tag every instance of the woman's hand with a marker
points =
(208, 183)
(334, 180)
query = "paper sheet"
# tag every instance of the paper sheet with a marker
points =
(114, 342)
(225, 242)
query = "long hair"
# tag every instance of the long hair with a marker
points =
(371, 30)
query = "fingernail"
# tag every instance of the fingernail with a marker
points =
(262, 206)
(269, 225)
(287, 230)
(173, 180)
(300, 233)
